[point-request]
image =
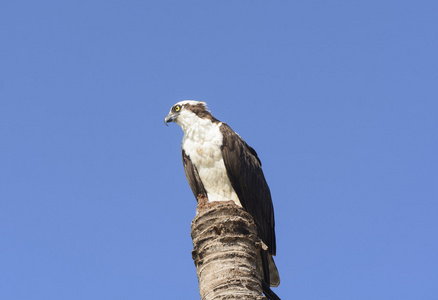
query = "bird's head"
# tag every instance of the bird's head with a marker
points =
(189, 112)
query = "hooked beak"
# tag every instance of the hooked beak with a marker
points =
(170, 118)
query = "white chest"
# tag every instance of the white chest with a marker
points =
(203, 146)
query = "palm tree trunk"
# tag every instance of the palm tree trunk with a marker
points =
(226, 252)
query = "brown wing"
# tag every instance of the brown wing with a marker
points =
(247, 178)
(192, 176)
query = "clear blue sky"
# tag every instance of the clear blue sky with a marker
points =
(339, 98)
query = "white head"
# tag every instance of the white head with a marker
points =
(188, 112)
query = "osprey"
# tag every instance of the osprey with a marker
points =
(221, 166)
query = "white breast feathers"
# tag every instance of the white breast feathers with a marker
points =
(202, 143)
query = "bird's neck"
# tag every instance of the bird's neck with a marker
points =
(197, 128)
(201, 131)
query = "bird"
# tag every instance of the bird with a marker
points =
(221, 166)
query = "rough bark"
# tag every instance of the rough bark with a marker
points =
(226, 252)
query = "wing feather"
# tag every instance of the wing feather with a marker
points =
(247, 178)
(192, 176)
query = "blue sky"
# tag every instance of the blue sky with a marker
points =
(339, 98)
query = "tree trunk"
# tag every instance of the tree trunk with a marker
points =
(226, 252)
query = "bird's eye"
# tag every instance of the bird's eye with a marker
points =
(177, 108)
